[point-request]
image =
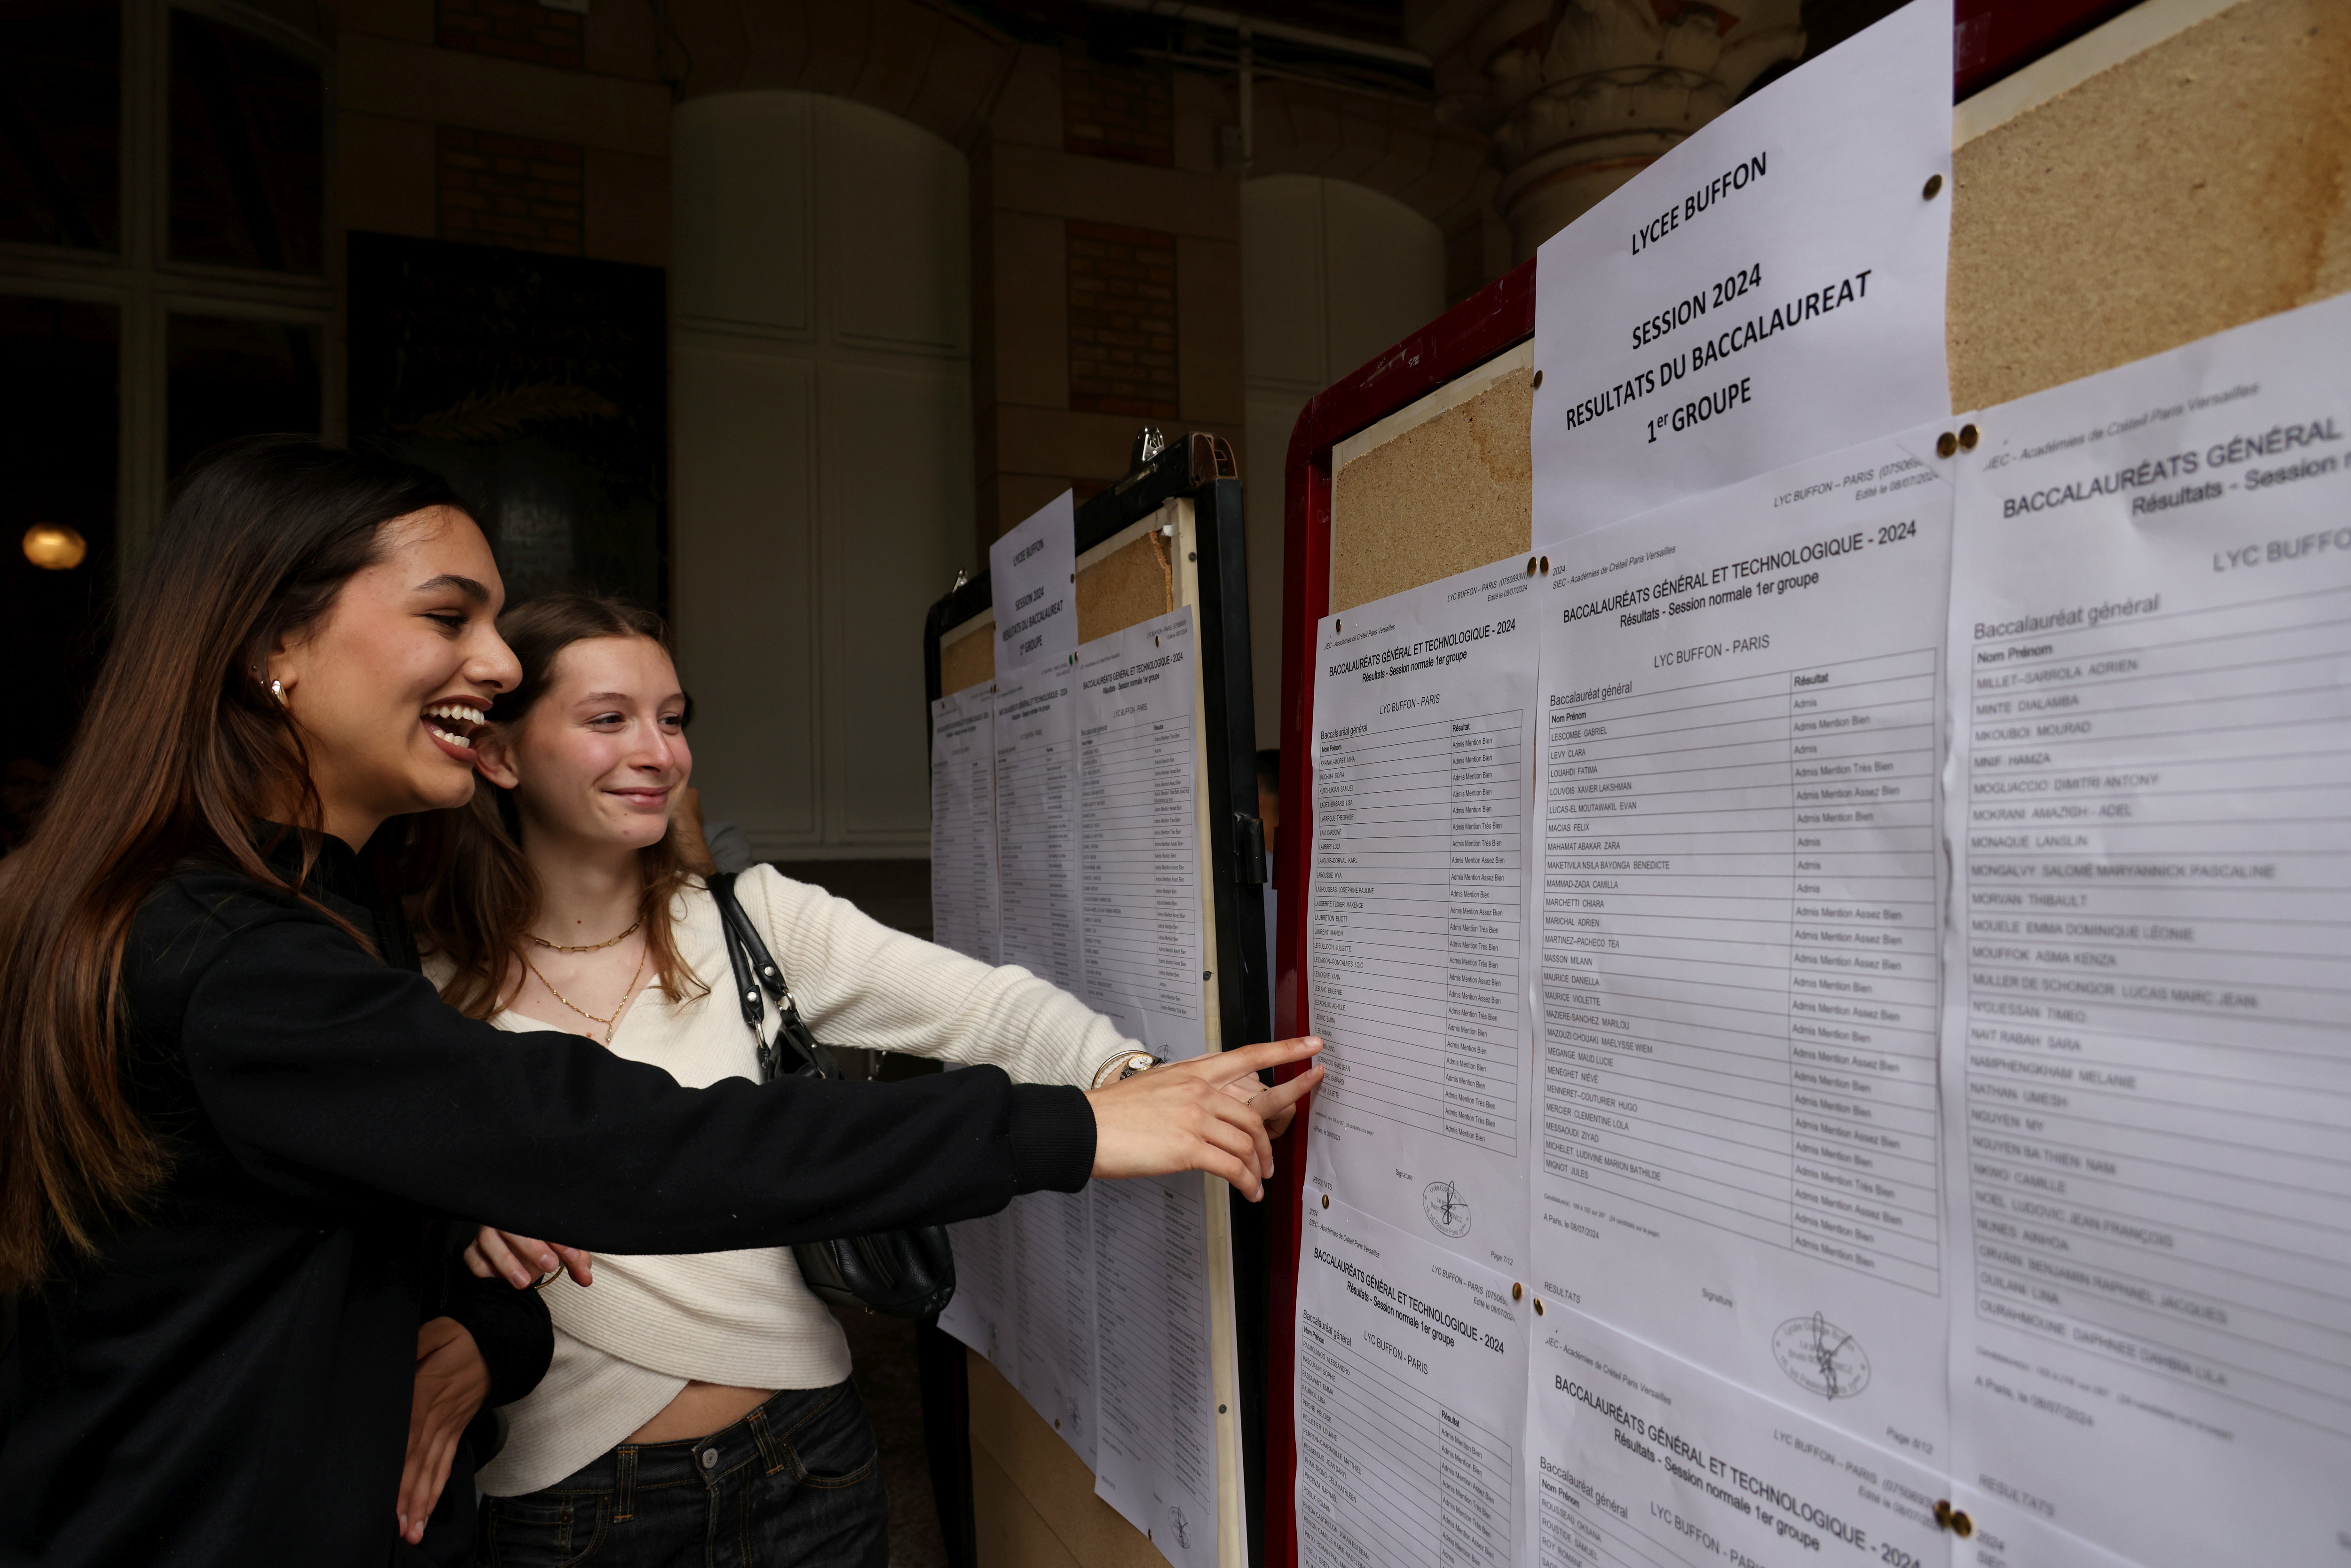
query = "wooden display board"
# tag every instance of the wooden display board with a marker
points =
(1168, 536)
(2172, 174)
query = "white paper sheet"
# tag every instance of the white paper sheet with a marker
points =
(1637, 1459)
(1739, 933)
(1415, 909)
(1033, 583)
(1770, 289)
(1037, 820)
(1156, 1441)
(1411, 1399)
(1053, 1317)
(1025, 1301)
(1139, 835)
(2149, 1092)
(981, 1312)
(963, 822)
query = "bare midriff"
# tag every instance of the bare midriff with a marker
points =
(700, 1409)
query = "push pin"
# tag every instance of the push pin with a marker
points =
(1934, 187)
(1946, 444)
(1969, 437)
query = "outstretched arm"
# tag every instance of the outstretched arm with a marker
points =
(325, 1069)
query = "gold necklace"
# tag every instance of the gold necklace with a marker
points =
(590, 947)
(610, 1023)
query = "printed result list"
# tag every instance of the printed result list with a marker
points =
(1416, 922)
(1739, 956)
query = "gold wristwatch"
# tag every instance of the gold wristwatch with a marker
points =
(1125, 1064)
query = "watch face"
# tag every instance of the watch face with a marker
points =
(1446, 1208)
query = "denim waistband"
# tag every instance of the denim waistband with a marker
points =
(757, 1439)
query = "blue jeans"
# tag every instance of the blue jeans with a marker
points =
(795, 1484)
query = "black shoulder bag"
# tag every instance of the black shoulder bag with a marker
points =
(904, 1273)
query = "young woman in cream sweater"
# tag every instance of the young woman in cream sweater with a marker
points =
(703, 1398)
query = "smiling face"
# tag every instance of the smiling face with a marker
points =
(388, 686)
(600, 760)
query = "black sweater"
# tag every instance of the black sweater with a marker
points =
(229, 1382)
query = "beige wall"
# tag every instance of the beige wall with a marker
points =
(820, 370)
(1037, 435)
(395, 87)
(843, 426)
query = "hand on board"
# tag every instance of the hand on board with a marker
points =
(1206, 1114)
(1250, 1090)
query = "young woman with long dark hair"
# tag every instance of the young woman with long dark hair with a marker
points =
(232, 1120)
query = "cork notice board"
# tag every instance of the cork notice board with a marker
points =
(2183, 169)
(1033, 1501)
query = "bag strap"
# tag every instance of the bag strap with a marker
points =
(755, 971)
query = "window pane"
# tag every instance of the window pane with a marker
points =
(56, 447)
(231, 378)
(247, 123)
(60, 122)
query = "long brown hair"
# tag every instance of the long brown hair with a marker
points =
(181, 750)
(482, 896)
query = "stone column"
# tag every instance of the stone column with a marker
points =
(1579, 95)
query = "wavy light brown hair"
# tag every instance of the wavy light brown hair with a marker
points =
(482, 897)
(180, 751)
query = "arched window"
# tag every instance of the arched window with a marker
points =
(1332, 273)
(823, 439)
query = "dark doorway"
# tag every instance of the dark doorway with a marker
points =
(538, 385)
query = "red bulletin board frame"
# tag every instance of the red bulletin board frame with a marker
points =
(1993, 39)
(1482, 326)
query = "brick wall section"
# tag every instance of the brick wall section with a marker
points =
(518, 29)
(1122, 321)
(1117, 112)
(510, 191)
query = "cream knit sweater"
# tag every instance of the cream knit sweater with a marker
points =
(627, 1344)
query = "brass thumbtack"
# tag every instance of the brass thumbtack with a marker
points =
(1539, 1306)
(1946, 444)
(1969, 437)
(1326, 1200)
(1530, 566)
(1934, 187)
(1517, 1291)
(1546, 565)
(1536, 384)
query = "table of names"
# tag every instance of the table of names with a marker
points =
(1138, 835)
(1739, 950)
(1037, 823)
